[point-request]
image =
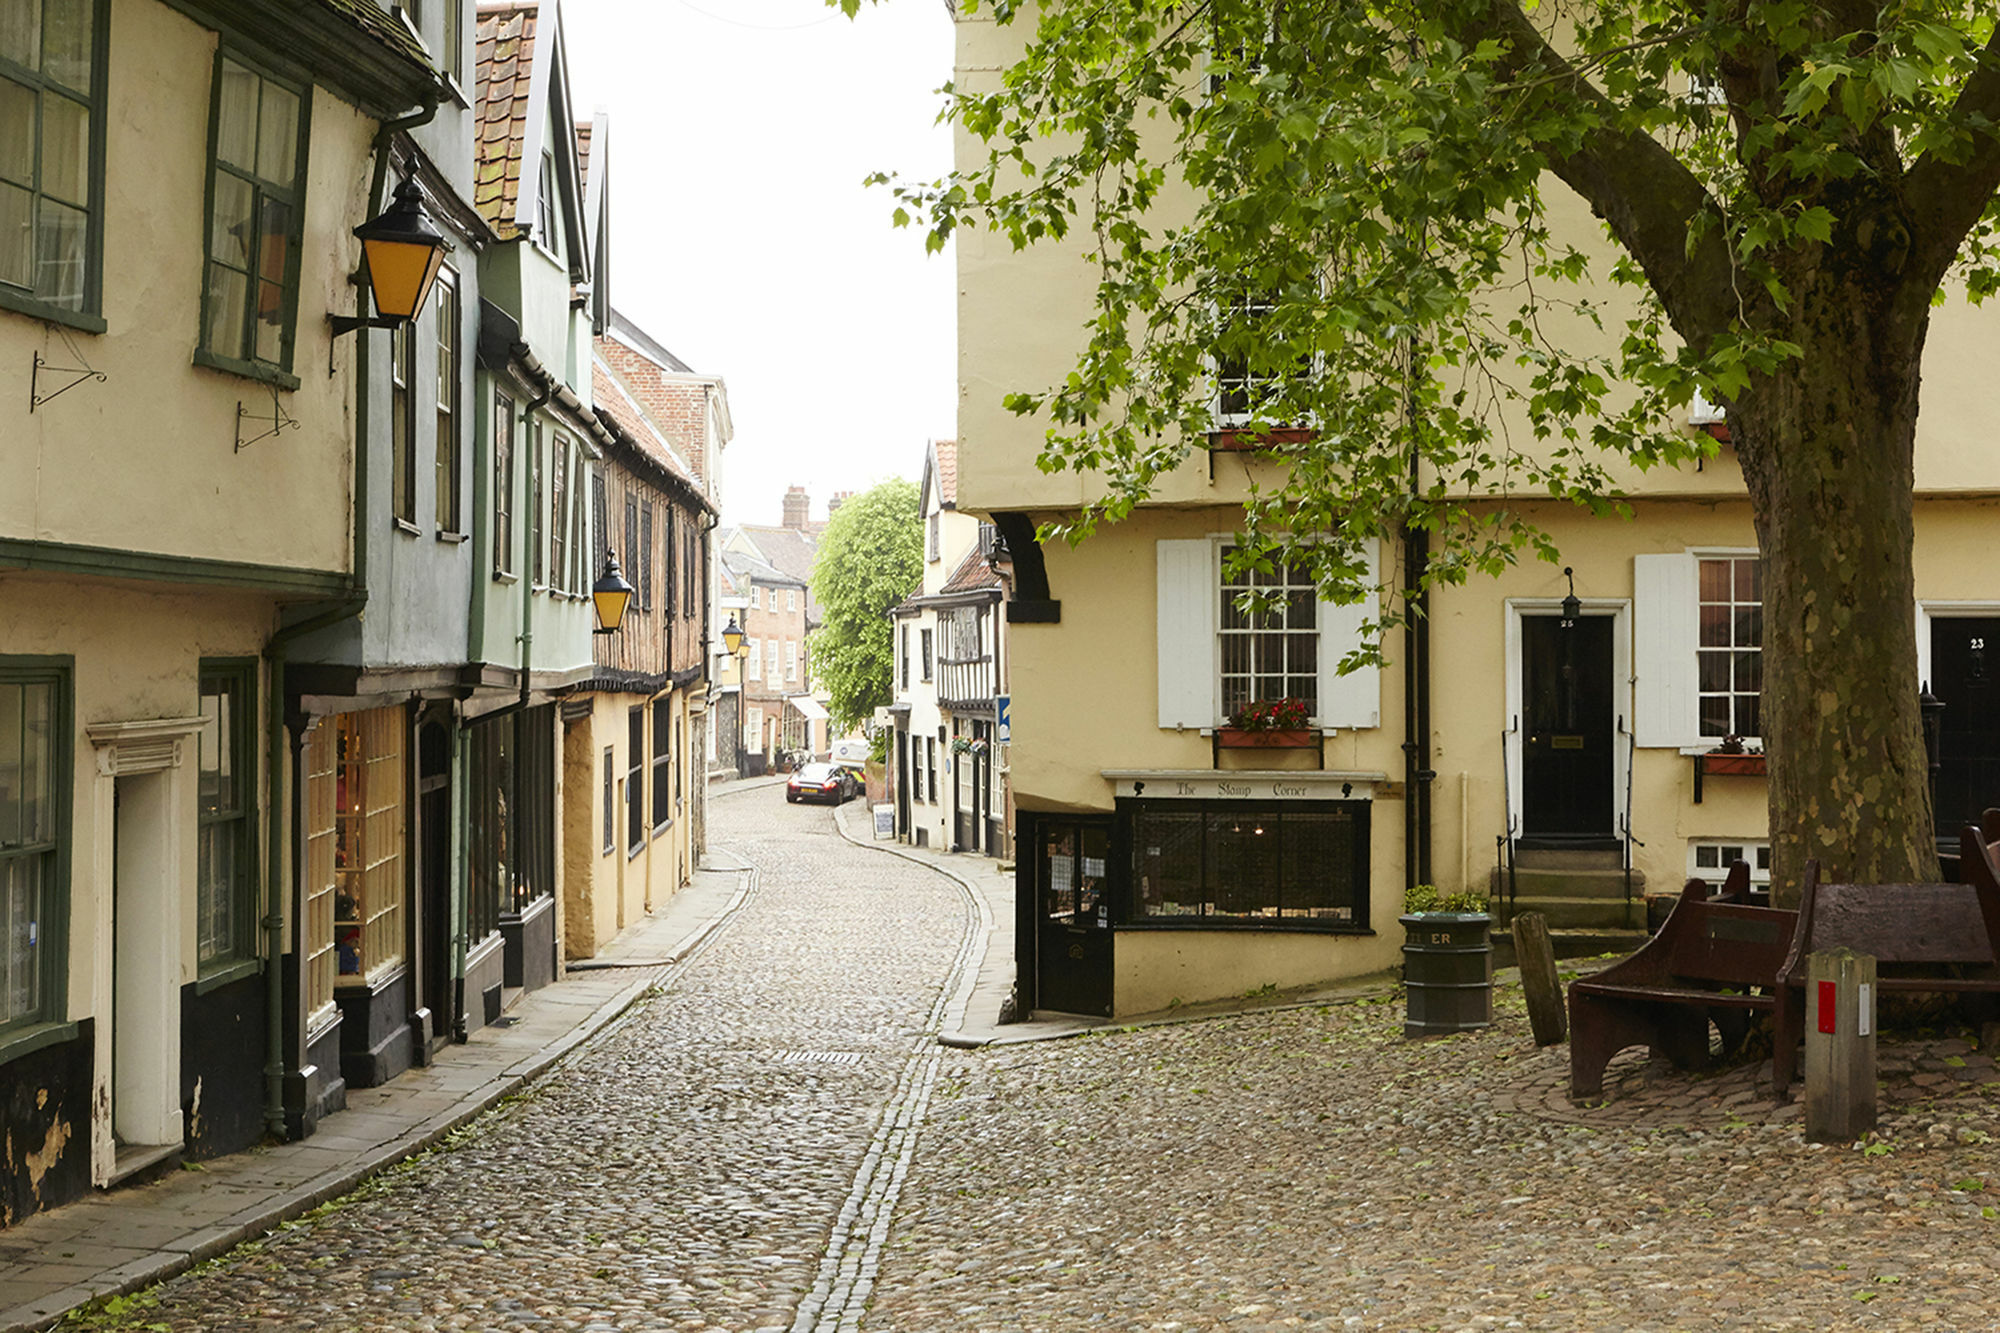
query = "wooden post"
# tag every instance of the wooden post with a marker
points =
(1840, 1046)
(1537, 957)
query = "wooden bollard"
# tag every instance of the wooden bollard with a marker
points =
(1539, 983)
(1840, 1046)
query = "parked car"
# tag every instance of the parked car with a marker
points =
(823, 782)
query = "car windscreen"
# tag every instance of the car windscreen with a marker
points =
(816, 772)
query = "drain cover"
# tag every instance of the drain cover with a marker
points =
(819, 1057)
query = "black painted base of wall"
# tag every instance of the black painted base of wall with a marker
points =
(485, 974)
(45, 1127)
(315, 1090)
(531, 945)
(222, 1067)
(375, 1043)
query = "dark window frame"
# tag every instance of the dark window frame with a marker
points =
(54, 853)
(243, 359)
(403, 426)
(503, 484)
(239, 674)
(87, 315)
(1235, 880)
(662, 764)
(635, 780)
(450, 469)
(610, 800)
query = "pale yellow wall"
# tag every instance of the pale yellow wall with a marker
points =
(1158, 969)
(147, 459)
(609, 892)
(137, 653)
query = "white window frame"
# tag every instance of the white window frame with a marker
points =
(1729, 849)
(756, 598)
(791, 660)
(1666, 629)
(791, 599)
(1188, 579)
(753, 667)
(1228, 421)
(771, 659)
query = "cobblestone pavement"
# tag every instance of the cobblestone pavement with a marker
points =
(683, 1171)
(1311, 1169)
(778, 1143)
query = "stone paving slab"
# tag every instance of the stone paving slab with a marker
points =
(119, 1240)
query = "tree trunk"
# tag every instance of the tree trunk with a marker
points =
(1827, 451)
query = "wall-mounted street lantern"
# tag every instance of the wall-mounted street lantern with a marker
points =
(1572, 604)
(732, 638)
(403, 252)
(612, 594)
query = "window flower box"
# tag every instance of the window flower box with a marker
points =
(1242, 738)
(1734, 765)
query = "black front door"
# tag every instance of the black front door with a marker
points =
(434, 887)
(1073, 935)
(1566, 752)
(1965, 676)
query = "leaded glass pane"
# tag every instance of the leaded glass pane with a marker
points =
(17, 133)
(62, 242)
(38, 797)
(66, 149)
(12, 795)
(233, 223)
(216, 909)
(66, 26)
(20, 956)
(17, 236)
(236, 117)
(270, 322)
(21, 32)
(228, 301)
(278, 135)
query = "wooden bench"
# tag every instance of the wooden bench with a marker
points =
(1924, 937)
(1713, 961)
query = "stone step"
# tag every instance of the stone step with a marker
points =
(1567, 913)
(1569, 858)
(1570, 944)
(1569, 883)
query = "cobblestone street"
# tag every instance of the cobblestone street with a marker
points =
(776, 1142)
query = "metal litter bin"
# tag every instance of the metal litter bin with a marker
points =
(1447, 972)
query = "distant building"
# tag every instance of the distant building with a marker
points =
(947, 771)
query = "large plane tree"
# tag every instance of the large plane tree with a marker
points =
(1352, 213)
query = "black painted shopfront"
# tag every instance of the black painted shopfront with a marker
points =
(1218, 859)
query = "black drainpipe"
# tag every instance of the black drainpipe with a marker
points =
(1417, 772)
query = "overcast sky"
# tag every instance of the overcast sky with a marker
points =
(744, 241)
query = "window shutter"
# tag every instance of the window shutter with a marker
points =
(1353, 700)
(1189, 590)
(1665, 629)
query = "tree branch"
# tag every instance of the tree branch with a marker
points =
(1648, 198)
(1946, 199)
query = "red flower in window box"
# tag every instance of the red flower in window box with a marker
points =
(1277, 723)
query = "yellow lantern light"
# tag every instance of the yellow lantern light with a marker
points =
(404, 253)
(611, 593)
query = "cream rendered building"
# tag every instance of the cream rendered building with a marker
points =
(175, 483)
(1157, 864)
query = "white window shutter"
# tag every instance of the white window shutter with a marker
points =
(1189, 589)
(1353, 700)
(1666, 625)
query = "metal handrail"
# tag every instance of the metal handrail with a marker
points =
(1631, 757)
(1504, 844)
